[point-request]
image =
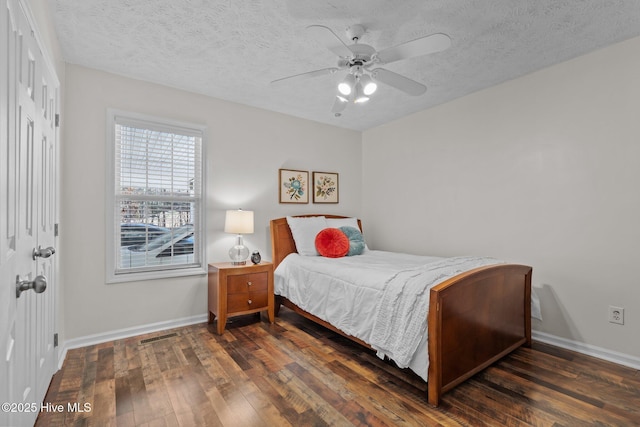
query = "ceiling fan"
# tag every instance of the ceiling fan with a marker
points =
(361, 61)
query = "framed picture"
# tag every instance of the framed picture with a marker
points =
(325, 187)
(294, 186)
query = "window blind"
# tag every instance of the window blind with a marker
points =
(157, 196)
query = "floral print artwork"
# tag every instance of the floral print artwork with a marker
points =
(325, 187)
(294, 186)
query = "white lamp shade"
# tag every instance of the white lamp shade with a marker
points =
(239, 222)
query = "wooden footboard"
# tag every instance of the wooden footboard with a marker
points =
(475, 319)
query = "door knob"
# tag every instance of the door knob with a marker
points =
(39, 284)
(44, 253)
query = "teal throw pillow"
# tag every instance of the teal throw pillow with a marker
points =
(356, 240)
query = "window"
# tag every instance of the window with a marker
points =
(155, 219)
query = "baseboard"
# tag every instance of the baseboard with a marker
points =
(587, 349)
(126, 333)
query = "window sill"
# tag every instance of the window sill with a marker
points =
(154, 275)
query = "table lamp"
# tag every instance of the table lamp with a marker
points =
(239, 222)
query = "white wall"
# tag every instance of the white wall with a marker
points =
(542, 170)
(245, 149)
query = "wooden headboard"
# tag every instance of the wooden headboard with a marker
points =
(282, 243)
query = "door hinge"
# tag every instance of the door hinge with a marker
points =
(55, 230)
(57, 120)
(55, 340)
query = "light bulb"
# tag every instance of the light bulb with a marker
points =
(368, 85)
(344, 89)
(346, 86)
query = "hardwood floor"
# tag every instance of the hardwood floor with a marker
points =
(297, 373)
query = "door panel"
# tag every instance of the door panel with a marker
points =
(8, 216)
(25, 319)
(28, 191)
(47, 208)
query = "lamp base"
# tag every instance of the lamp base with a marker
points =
(239, 253)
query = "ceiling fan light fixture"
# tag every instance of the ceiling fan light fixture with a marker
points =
(360, 81)
(368, 85)
(360, 96)
(346, 86)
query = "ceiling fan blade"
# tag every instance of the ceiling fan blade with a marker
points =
(422, 46)
(405, 84)
(304, 76)
(330, 40)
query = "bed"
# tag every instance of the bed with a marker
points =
(474, 318)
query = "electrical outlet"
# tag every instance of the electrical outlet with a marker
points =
(616, 315)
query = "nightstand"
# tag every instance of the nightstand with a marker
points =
(235, 290)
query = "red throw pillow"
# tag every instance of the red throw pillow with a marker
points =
(332, 243)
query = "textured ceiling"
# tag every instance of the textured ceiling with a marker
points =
(233, 49)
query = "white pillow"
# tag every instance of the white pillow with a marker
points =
(304, 231)
(343, 222)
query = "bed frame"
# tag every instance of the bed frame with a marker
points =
(474, 318)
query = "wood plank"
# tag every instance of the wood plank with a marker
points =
(262, 405)
(567, 407)
(284, 406)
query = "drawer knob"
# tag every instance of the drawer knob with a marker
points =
(249, 283)
(249, 302)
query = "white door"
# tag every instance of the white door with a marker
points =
(28, 195)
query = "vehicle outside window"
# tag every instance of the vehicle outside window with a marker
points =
(172, 247)
(137, 234)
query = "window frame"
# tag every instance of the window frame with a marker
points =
(113, 230)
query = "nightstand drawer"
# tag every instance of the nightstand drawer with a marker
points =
(247, 301)
(250, 282)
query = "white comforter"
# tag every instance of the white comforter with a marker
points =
(373, 297)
